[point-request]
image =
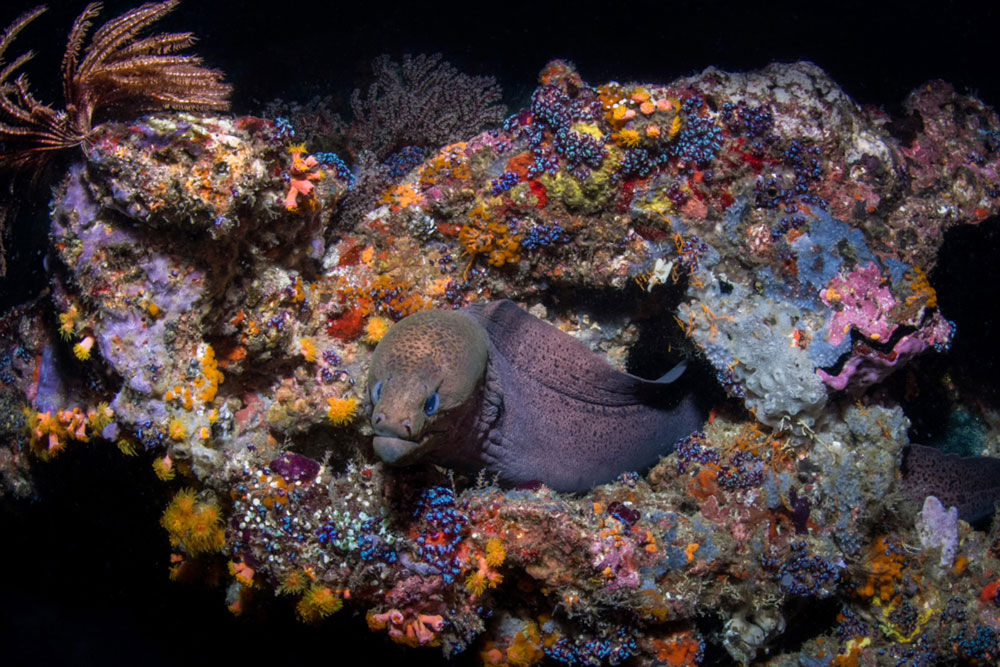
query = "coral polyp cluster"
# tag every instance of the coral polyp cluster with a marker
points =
(194, 526)
(216, 292)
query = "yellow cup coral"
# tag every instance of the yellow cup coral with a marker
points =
(82, 349)
(376, 328)
(342, 411)
(318, 603)
(195, 526)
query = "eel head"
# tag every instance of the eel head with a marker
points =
(425, 376)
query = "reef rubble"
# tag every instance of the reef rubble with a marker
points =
(210, 310)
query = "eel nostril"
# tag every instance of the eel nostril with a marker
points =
(378, 418)
(408, 425)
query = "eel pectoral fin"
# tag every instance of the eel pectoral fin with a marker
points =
(673, 374)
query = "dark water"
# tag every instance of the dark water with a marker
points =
(878, 52)
(84, 578)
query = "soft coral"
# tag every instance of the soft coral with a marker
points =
(303, 177)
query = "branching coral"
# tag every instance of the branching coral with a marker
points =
(423, 101)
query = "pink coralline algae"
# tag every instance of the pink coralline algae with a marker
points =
(864, 302)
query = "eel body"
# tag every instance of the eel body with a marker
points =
(970, 483)
(492, 388)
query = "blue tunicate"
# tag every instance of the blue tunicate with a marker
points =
(743, 120)
(983, 645)
(542, 164)
(804, 575)
(578, 148)
(283, 128)
(399, 164)
(700, 139)
(503, 183)
(343, 171)
(541, 236)
(637, 163)
(742, 470)
(553, 110)
(850, 625)
(692, 449)
(445, 525)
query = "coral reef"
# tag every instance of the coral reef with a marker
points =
(209, 309)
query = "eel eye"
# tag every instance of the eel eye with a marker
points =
(377, 391)
(431, 404)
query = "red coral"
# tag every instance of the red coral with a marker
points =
(348, 326)
(520, 164)
(540, 193)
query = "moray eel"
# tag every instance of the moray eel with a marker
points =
(491, 388)
(971, 483)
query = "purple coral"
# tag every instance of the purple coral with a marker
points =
(295, 467)
(865, 303)
(938, 528)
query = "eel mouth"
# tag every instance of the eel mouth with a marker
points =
(396, 451)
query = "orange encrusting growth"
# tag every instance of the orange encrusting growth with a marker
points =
(680, 650)
(213, 376)
(491, 237)
(885, 568)
(402, 196)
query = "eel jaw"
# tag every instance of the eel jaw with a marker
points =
(396, 451)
